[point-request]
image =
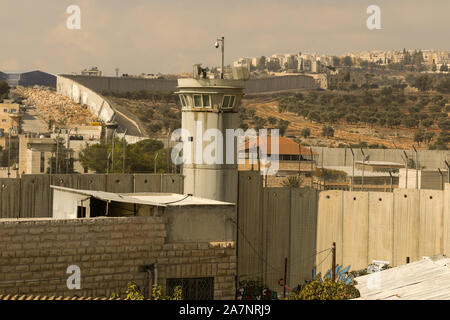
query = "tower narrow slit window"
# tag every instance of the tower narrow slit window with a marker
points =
(228, 102)
(206, 101)
(197, 101)
(183, 99)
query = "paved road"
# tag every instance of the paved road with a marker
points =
(31, 122)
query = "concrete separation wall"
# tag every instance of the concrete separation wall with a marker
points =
(391, 227)
(31, 197)
(430, 159)
(85, 96)
(274, 224)
(253, 86)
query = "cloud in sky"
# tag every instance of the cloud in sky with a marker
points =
(170, 36)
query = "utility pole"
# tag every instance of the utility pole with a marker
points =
(442, 179)
(168, 152)
(406, 168)
(353, 167)
(312, 168)
(417, 169)
(68, 151)
(9, 152)
(448, 171)
(113, 147)
(285, 277)
(299, 160)
(124, 150)
(364, 165)
(57, 149)
(154, 163)
(333, 262)
(222, 41)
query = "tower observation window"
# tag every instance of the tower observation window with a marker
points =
(228, 102)
(206, 101)
(197, 101)
(183, 99)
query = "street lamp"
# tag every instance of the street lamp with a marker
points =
(217, 45)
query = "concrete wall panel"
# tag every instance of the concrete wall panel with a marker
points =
(303, 235)
(406, 225)
(276, 233)
(355, 230)
(431, 241)
(120, 183)
(250, 231)
(172, 183)
(446, 221)
(92, 182)
(147, 182)
(329, 229)
(9, 198)
(381, 223)
(35, 199)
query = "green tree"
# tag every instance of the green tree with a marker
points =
(419, 136)
(140, 157)
(272, 120)
(423, 82)
(305, 133)
(282, 126)
(4, 89)
(327, 131)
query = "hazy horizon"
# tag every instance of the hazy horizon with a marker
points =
(139, 36)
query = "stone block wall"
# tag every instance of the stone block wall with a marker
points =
(110, 252)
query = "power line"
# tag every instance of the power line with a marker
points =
(254, 249)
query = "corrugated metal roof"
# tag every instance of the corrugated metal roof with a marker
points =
(108, 196)
(427, 279)
(148, 198)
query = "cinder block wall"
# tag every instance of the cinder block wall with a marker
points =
(35, 255)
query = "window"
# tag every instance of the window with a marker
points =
(193, 288)
(3, 120)
(13, 110)
(206, 101)
(183, 99)
(228, 102)
(197, 101)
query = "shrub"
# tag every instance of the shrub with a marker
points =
(292, 182)
(326, 290)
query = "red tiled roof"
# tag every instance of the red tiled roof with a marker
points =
(285, 145)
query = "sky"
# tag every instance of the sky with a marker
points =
(169, 36)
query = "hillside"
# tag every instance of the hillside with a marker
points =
(372, 118)
(392, 117)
